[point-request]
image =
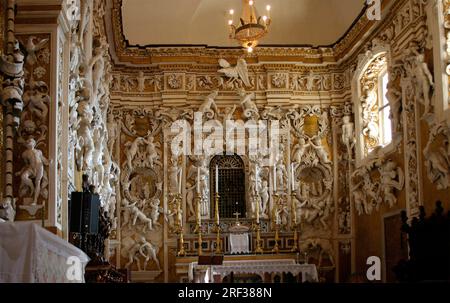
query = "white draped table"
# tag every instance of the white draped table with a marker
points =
(32, 254)
(260, 267)
(239, 243)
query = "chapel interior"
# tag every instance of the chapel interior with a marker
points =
(237, 141)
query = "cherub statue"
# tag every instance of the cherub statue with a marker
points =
(37, 99)
(132, 149)
(155, 211)
(316, 142)
(152, 152)
(32, 175)
(299, 150)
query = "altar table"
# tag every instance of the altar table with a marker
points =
(259, 267)
(32, 254)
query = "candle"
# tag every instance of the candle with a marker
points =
(257, 211)
(257, 177)
(179, 182)
(198, 179)
(217, 178)
(292, 177)
(274, 179)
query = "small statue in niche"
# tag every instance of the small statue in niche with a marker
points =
(424, 81)
(190, 189)
(97, 65)
(32, 176)
(348, 135)
(113, 131)
(85, 146)
(174, 172)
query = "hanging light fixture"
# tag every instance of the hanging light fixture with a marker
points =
(251, 27)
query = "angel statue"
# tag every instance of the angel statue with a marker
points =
(235, 73)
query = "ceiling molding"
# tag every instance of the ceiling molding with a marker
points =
(131, 55)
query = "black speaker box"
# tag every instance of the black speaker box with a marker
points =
(84, 209)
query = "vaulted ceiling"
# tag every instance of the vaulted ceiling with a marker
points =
(204, 22)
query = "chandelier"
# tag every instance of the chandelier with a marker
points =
(251, 27)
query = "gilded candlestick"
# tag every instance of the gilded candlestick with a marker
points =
(198, 227)
(258, 249)
(218, 240)
(275, 217)
(180, 228)
(294, 221)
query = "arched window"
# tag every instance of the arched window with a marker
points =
(231, 171)
(384, 111)
(373, 114)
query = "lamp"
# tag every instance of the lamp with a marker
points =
(251, 27)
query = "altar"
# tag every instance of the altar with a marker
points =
(264, 266)
(32, 254)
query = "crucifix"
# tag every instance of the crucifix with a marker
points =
(237, 214)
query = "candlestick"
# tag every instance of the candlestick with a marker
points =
(217, 178)
(258, 249)
(181, 252)
(198, 227)
(218, 241)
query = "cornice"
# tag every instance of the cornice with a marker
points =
(126, 54)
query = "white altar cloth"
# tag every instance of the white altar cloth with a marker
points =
(32, 254)
(239, 243)
(260, 267)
